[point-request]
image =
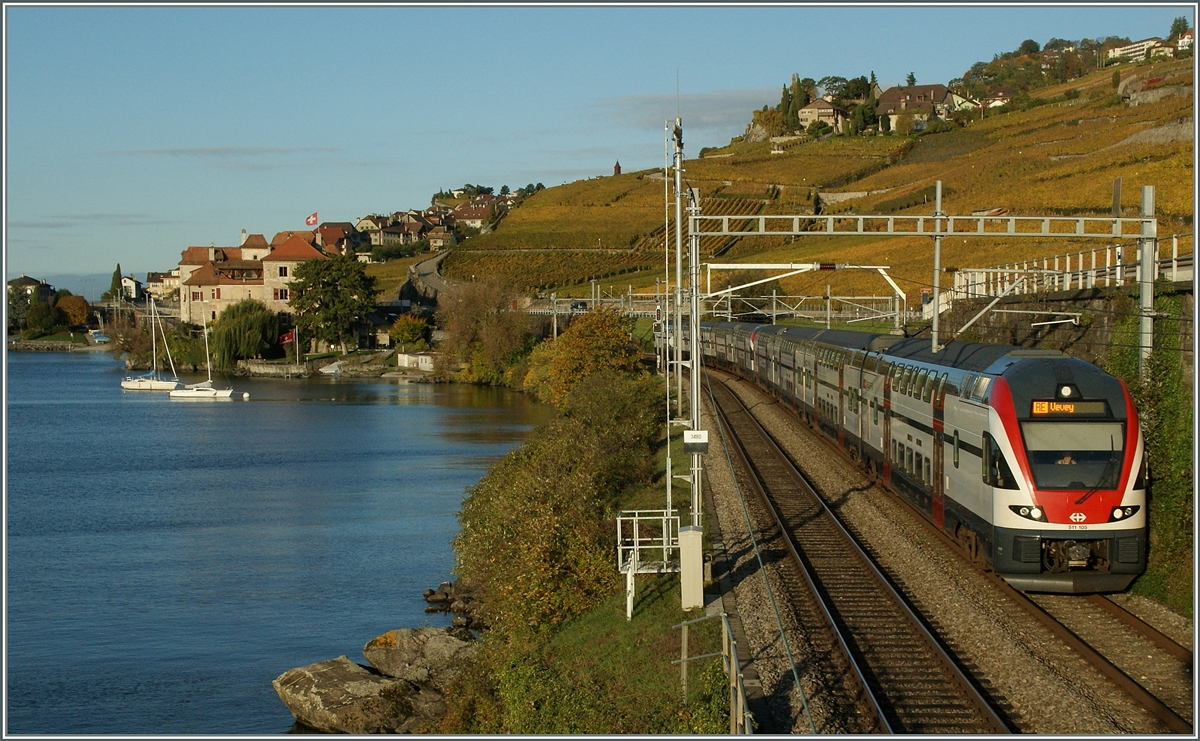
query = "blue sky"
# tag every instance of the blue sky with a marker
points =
(134, 132)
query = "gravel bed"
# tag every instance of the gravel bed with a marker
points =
(1043, 686)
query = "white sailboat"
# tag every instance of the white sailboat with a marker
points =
(204, 390)
(152, 381)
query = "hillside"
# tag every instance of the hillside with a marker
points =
(1058, 156)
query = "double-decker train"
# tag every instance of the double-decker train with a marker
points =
(1031, 460)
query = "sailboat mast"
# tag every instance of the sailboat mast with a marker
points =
(207, 357)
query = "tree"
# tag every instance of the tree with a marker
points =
(818, 128)
(857, 88)
(114, 287)
(885, 123)
(40, 316)
(75, 309)
(18, 304)
(408, 330)
(504, 190)
(910, 80)
(771, 121)
(834, 85)
(785, 102)
(247, 329)
(1116, 79)
(330, 298)
(483, 331)
(1028, 46)
(1179, 26)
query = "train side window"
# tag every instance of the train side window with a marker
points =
(956, 448)
(967, 384)
(995, 468)
(941, 388)
(875, 405)
(894, 446)
(905, 379)
(908, 459)
(928, 472)
(981, 388)
(919, 386)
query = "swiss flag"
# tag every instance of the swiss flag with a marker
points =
(289, 336)
(311, 220)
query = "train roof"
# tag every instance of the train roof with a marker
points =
(969, 356)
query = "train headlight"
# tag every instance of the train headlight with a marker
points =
(1028, 512)
(1124, 512)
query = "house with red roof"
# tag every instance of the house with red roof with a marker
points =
(213, 278)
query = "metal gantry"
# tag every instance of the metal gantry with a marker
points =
(940, 225)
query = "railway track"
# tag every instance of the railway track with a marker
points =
(897, 675)
(1149, 667)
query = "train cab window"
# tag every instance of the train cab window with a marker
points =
(1075, 455)
(995, 468)
(956, 448)
(979, 393)
(919, 386)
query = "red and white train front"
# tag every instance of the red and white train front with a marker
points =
(1065, 462)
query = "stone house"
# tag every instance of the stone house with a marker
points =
(922, 101)
(823, 110)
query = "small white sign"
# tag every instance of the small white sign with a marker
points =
(695, 441)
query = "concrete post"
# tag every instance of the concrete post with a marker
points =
(937, 263)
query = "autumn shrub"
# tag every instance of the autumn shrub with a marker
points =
(598, 340)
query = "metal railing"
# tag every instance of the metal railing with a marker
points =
(741, 720)
(1113, 265)
(647, 530)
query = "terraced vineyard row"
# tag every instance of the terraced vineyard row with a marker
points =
(530, 270)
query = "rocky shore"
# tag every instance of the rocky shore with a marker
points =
(401, 689)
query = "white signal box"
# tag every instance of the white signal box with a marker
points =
(695, 441)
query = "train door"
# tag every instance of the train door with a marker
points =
(886, 371)
(939, 453)
(841, 403)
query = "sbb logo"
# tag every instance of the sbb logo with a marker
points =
(1078, 517)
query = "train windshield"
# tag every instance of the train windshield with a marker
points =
(1075, 455)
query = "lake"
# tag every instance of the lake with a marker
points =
(167, 559)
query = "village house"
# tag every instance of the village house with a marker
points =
(823, 110)
(922, 101)
(1185, 40)
(1151, 47)
(33, 288)
(163, 286)
(476, 212)
(131, 288)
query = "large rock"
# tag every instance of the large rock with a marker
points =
(339, 696)
(425, 656)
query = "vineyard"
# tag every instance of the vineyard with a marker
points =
(537, 271)
(1055, 158)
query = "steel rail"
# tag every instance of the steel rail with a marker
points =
(987, 715)
(739, 450)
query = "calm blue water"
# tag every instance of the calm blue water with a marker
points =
(167, 560)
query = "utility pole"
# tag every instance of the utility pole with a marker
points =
(1149, 239)
(678, 134)
(695, 440)
(937, 263)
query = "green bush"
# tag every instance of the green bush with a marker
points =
(1165, 406)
